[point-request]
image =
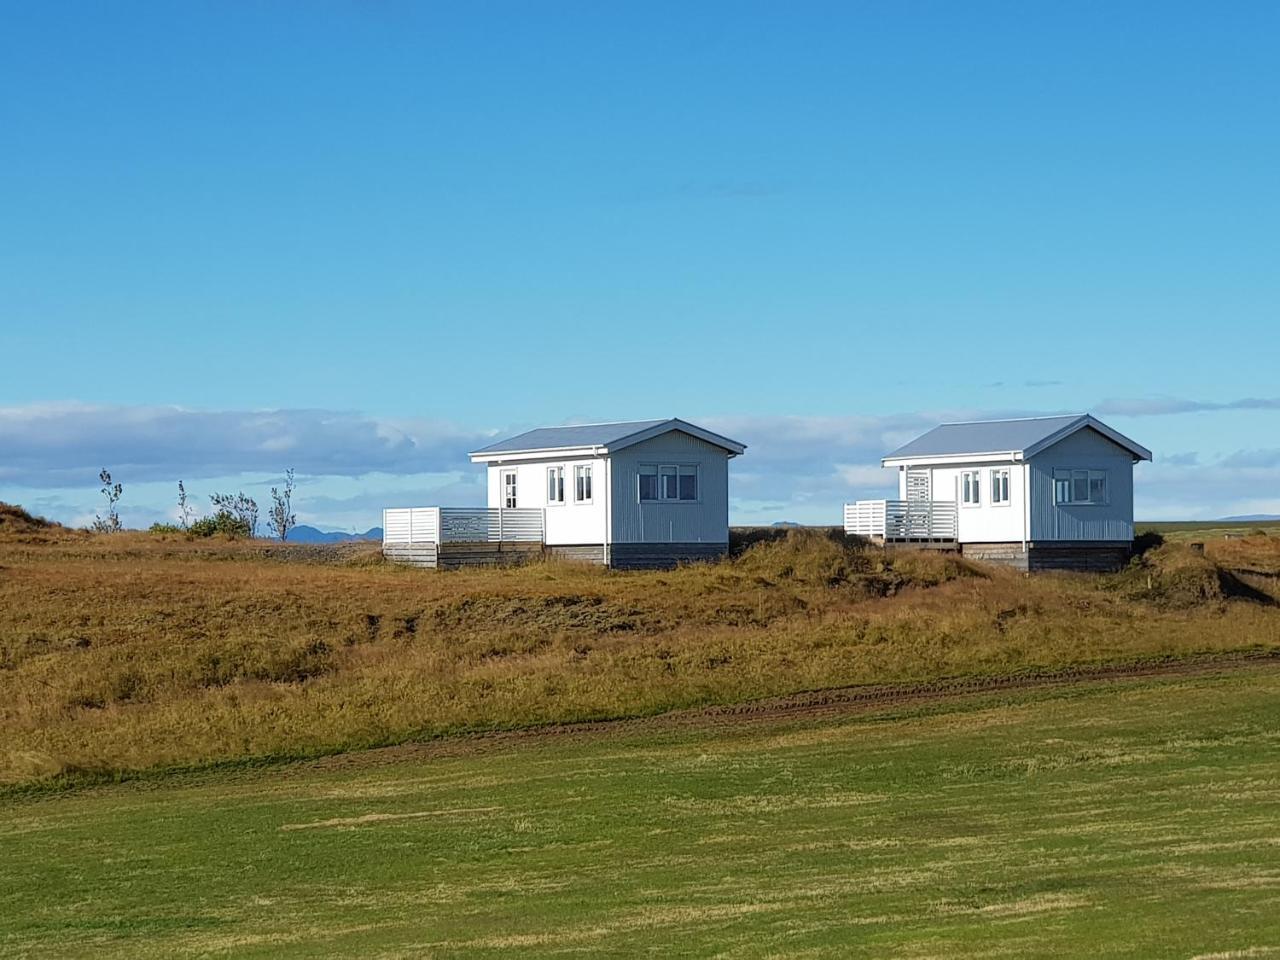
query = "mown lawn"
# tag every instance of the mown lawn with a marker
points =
(1125, 819)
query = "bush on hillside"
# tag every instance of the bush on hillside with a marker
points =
(1172, 575)
(14, 519)
(223, 523)
(828, 557)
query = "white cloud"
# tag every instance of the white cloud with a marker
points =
(64, 445)
(350, 465)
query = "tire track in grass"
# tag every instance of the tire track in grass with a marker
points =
(830, 703)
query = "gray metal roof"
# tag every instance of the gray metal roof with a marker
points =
(607, 435)
(1006, 436)
(580, 435)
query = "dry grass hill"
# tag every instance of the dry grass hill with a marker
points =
(130, 652)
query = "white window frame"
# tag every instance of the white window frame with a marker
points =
(558, 474)
(967, 477)
(1069, 476)
(515, 488)
(578, 470)
(1000, 478)
(679, 469)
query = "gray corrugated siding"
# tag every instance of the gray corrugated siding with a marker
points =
(1086, 449)
(706, 521)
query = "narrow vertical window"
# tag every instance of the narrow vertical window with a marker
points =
(1062, 486)
(667, 489)
(582, 483)
(688, 482)
(969, 490)
(648, 483)
(1097, 486)
(999, 486)
(509, 489)
(555, 485)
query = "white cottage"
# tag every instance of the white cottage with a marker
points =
(1038, 493)
(641, 493)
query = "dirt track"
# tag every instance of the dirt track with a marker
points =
(816, 704)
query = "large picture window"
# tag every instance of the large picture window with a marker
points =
(661, 482)
(1080, 487)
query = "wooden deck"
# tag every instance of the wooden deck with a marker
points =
(451, 537)
(922, 523)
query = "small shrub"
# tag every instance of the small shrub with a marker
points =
(165, 528)
(1172, 575)
(222, 523)
(807, 556)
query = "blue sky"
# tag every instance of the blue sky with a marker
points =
(358, 237)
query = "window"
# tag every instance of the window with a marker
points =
(509, 489)
(1000, 487)
(1080, 487)
(688, 483)
(582, 483)
(555, 485)
(667, 488)
(970, 494)
(665, 482)
(648, 483)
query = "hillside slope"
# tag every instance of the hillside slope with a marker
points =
(124, 652)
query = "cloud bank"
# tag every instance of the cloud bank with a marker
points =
(64, 445)
(797, 467)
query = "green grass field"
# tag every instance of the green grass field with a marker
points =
(1207, 529)
(1133, 818)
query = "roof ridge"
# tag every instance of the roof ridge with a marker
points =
(1047, 416)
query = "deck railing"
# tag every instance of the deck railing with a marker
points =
(902, 519)
(462, 525)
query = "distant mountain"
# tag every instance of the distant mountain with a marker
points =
(305, 534)
(785, 523)
(1252, 518)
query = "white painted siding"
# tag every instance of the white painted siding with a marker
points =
(1083, 450)
(705, 520)
(985, 522)
(570, 523)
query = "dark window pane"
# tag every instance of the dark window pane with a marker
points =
(648, 486)
(688, 486)
(668, 478)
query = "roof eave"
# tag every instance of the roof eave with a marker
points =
(536, 453)
(985, 456)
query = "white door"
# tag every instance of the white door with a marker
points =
(509, 489)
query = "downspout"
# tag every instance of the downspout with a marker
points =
(608, 513)
(1026, 506)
